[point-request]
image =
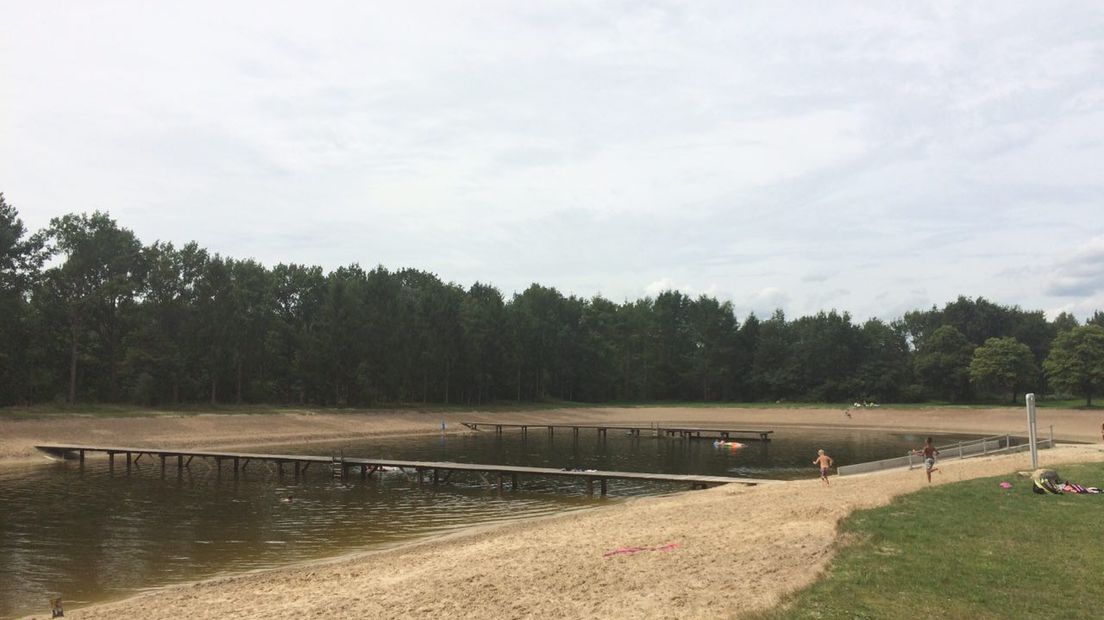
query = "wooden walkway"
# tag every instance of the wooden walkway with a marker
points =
(437, 472)
(635, 431)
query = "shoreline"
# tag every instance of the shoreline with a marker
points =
(775, 538)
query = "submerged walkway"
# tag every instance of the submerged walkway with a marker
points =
(341, 467)
(635, 431)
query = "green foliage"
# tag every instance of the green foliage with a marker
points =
(1003, 364)
(1076, 361)
(112, 321)
(943, 363)
(966, 550)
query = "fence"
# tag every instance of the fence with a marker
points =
(997, 444)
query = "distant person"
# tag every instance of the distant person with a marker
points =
(929, 453)
(824, 462)
(847, 412)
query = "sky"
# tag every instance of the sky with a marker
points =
(868, 157)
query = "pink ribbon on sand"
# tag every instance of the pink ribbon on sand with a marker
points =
(632, 550)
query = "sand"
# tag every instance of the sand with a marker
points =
(716, 553)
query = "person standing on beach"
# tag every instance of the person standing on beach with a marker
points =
(929, 453)
(824, 462)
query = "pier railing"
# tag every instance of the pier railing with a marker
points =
(997, 444)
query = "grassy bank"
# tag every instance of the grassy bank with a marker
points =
(967, 550)
(119, 411)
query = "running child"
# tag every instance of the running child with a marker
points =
(929, 453)
(824, 462)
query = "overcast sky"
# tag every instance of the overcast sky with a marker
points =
(871, 157)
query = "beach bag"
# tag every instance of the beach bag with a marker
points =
(1046, 482)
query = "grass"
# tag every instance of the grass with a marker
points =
(123, 411)
(120, 411)
(967, 550)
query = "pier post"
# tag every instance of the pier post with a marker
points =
(180, 462)
(524, 431)
(500, 483)
(514, 482)
(128, 462)
(162, 465)
(111, 461)
(590, 486)
(603, 482)
(82, 457)
(551, 430)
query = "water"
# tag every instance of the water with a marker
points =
(90, 534)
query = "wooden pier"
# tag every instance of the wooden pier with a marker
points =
(437, 472)
(725, 434)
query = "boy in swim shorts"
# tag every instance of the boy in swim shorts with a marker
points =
(929, 453)
(824, 462)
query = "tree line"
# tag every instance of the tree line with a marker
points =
(88, 313)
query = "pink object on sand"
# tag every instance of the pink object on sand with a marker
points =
(1006, 485)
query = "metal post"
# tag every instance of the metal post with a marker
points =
(1031, 436)
(1051, 436)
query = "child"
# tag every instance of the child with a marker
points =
(929, 453)
(824, 462)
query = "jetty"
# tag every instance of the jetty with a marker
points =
(724, 434)
(342, 467)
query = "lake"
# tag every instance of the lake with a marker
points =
(89, 534)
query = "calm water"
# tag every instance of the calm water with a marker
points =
(89, 534)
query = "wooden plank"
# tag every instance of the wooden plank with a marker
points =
(302, 462)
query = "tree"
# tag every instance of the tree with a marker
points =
(156, 349)
(1004, 364)
(96, 285)
(1096, 319)
(20, 260)
(1076, 361)
(943, 363)
(884, 369)
(774, 372)
(1064, 322)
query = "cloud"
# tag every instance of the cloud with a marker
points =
(1082, 274)
(762, 303)
(802, 157)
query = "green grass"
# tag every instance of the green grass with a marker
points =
(119, 411)
(967, 550)
(123, 411)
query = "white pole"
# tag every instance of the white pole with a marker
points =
(1031, 439)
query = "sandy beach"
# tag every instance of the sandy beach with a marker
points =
(717, 553)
